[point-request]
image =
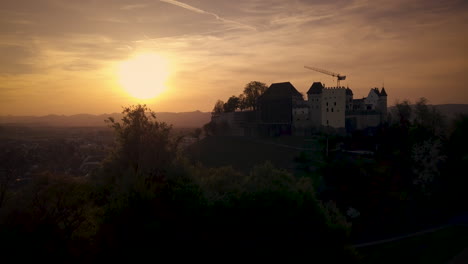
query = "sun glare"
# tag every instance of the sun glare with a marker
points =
(144, 75)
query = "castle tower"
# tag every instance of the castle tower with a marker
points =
(382, 104)
(349, 100)
(314, 100)
(334, 107)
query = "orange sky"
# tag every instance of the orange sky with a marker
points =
(63, 56)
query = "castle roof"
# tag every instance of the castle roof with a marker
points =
(383, 93)
(376, 91)
(316, 88)
(281, 90)
(349, 91)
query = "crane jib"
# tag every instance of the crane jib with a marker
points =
(337, 75)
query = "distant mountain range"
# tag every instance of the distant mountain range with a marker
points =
(180, 120)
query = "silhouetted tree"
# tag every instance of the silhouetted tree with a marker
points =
(242, 102)
(427, 159)
(252, 91)
(403, 113)
(429, 118)
(218, 108)
(197, 133)
(143, 143)
(51, 218)
(216, 128)
(264, 209)
(232, 104)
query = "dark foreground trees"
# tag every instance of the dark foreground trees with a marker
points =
(148, 203)
(413, 180)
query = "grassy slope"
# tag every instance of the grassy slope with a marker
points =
(244, 153)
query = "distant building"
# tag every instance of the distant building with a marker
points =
(282, 110)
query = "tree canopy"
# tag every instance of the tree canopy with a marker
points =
(218, 107)
(232, 104)
(252, 91)
(247, 100)
(143, 143)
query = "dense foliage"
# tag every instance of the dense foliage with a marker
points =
(148, 202)
(412, 181)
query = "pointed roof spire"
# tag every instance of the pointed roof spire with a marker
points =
(383, 93)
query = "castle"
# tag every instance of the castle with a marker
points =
(282, 110)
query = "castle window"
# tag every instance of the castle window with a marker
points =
(327, 103)
(335, 103)
(327, 122)
(332, 109)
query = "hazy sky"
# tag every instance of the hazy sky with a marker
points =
(61, 56)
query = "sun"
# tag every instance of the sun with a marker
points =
(144, 75)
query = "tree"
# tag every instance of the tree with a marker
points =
(218, 108)
(252, 92)
(428, 118)
(242, 102)
(143, 144)
(232, 104)
(51, 217)
(403, 113)
(197, 133)
(421, 112)
(427, 158)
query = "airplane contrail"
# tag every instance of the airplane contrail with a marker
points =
(200, 11)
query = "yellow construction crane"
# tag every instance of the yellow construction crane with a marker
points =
(338, 76)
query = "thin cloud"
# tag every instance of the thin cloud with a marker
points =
(200, 11)
(131, 7)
